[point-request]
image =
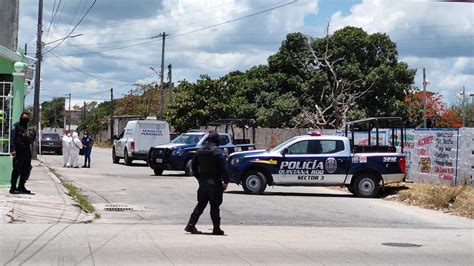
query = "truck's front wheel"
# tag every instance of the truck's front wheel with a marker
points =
(158, 171)
(367, 186)
(254, 182)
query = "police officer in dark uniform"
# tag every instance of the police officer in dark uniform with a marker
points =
(87, 143)
(20, 147)
(210, 169)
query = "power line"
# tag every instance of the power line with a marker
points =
(78, 23)
(53, 16)
(192, 31)
(122, 84)
(75, 12)
(83, 72)
(208, 20)
(236, 19)
(140, 20)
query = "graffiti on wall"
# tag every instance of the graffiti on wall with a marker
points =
(432, 154)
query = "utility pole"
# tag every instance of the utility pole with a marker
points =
(163, 35)
(69, 114)
(425, 100)
(462, 106)
(36, 103)
(170, 84)
(84, 111)
(472, 109)
(111, 113)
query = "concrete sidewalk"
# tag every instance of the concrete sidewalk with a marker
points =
(48, 204)
(143, 244)
(48, 229)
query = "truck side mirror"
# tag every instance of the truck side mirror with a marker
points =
(114, 137)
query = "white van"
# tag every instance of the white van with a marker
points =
(137, 138)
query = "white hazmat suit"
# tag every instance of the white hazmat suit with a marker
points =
(76, 145)
(66, 141)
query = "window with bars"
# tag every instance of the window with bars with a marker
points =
(5, 117)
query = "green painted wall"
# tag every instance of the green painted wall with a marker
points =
(18, 102)
(6, 66)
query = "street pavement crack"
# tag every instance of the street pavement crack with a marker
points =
(90, 252)
(158, 247)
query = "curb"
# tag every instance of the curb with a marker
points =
(52, 175)
(61, 185)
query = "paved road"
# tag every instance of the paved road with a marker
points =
(169, 199)
(285, 226)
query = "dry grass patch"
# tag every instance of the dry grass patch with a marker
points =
(458, 200)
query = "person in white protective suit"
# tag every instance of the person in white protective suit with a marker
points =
(76, 145)
(66, 141)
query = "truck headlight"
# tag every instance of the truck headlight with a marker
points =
(177, 152)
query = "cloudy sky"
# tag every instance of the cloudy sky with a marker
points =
(118, 44)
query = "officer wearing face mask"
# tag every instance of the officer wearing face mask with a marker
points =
(20, 146)
(210, 169)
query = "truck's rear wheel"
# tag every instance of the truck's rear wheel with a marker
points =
(188, 170)
(254, 182)
(115, 159)
(367, 186)
(158, 171)
(126, 158)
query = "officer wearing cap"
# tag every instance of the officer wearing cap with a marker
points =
(210, 169)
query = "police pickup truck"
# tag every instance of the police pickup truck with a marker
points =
(178, 154)
(316, 160)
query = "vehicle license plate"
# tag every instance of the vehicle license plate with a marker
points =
(159, 160)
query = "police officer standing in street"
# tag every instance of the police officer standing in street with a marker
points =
(87, 143)
(210, 169)
(20, 146)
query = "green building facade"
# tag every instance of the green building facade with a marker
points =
(13, 66)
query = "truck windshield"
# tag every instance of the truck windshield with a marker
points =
(282, 144)
(191, 139)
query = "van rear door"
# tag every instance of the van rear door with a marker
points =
(150, 134)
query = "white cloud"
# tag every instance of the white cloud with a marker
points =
(465, 65)
(432, 35)
(213, 51)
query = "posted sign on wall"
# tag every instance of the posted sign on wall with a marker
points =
(433, 155)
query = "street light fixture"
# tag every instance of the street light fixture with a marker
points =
(67, 37)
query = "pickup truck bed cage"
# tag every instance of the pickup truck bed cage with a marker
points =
(230, 123)
(366, 125)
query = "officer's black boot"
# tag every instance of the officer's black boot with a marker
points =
(21, 186)
(13, 190)
(13, 187)
(191, 227)
(217, 227)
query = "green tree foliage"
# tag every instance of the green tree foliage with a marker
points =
(96, 117)
(197, 103)
(52, 113)
(305, 75)
(144, 100)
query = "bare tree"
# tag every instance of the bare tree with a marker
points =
(336, 99)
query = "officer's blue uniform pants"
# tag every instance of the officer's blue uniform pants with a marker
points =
(87, 156)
